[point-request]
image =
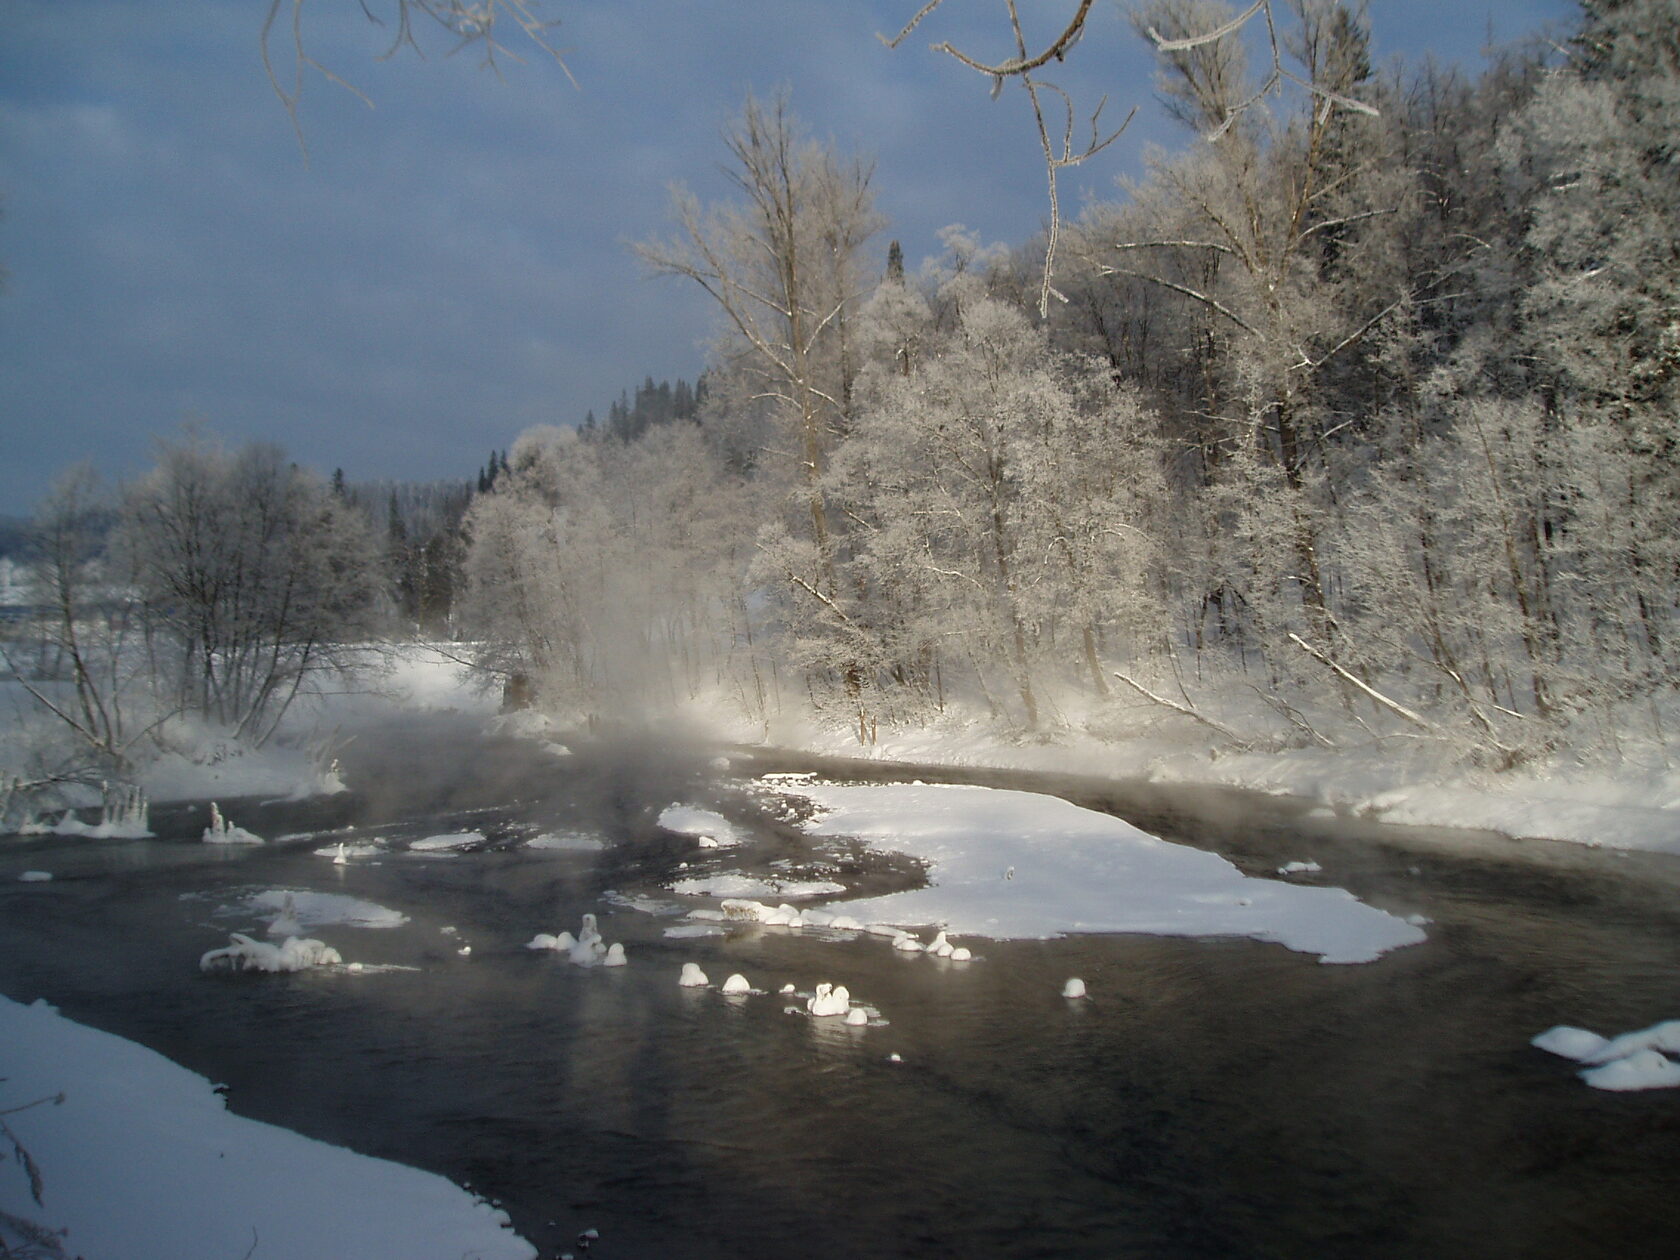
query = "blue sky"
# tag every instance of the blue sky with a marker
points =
(449, 267)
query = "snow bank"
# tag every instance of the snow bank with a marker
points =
(143, 1161)
(1007, 864)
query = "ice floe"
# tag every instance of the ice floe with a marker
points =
(35, 877)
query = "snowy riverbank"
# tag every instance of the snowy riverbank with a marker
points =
(1629, 806)
(143, 1161)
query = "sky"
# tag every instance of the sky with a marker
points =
(449, 266)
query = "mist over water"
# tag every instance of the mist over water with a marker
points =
(1220, 1097)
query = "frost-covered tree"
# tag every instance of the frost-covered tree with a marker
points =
(1003, 499)
(254, 579)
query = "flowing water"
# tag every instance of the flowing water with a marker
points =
(1214, 1098)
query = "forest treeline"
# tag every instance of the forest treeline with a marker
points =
(1357, 414)
(1355, 417)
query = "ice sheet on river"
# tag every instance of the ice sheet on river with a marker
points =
(1007, 864)
(142, 1160)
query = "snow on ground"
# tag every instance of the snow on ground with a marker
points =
(713, 831)
(1007, 864)
(142, 1160)
(735, 884)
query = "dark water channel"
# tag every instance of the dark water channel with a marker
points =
(1216, 1098)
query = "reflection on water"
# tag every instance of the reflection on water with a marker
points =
(1211, 1098)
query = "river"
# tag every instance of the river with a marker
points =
(1214, 1098)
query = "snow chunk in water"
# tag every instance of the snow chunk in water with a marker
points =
(1570, 1043)
(1078, 870)
(1634, 1060)
(35, 877)
(1643, 1069)
(1299, 868)
(713, 831)
(244, 954)
(692, 977)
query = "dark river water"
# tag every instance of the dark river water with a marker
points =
(1215, 1098)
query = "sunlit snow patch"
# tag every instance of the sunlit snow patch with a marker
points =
(713, 831)
(1077, 870)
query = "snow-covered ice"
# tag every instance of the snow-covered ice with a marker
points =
(295, 954)
(733, 884)
(1078, 870)
(142, 1160)
(566, 842)
(1074, 988)
(737, 983)
(35, 877)
(451, 843)
(323, 909)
